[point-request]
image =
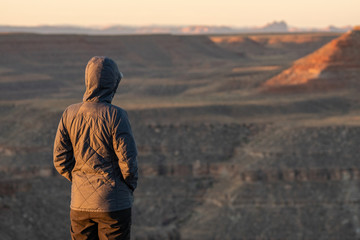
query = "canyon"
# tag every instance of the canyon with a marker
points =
(227, 150)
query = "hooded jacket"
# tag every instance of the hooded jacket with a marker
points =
(94, 146)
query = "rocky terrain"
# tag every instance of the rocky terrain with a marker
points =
(333, 66)
(219, 157)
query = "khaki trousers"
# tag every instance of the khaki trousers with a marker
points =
(100, 225)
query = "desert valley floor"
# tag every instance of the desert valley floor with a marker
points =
(251, 136)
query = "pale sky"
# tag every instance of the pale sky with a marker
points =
(304, 13)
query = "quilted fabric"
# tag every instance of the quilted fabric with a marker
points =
(94, 146)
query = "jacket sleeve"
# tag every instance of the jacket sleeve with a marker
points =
(125, 150)
(63, 152)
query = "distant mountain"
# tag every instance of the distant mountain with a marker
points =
(275, 27)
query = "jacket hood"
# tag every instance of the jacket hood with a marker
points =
(102, 78)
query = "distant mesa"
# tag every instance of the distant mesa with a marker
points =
(276, 27)
(333, 66)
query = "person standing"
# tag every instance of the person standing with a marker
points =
(95, 150)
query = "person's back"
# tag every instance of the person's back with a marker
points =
(95, 149)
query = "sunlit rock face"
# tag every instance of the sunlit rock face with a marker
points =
(335, 65)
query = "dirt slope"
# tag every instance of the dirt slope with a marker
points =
(335, 65)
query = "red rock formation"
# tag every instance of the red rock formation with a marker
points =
(337, 64)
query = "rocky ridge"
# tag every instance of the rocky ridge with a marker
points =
(333, 66)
